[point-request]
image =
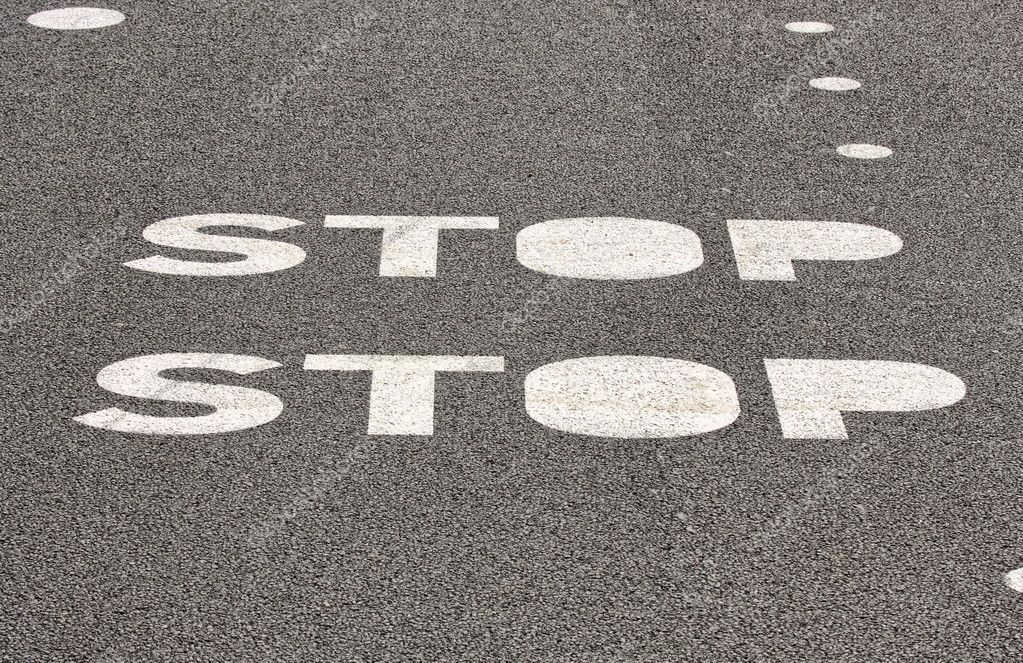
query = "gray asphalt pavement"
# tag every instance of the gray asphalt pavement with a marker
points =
(497, 537)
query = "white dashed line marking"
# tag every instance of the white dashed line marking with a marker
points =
(864, 151)
(835, 84)
(809, 27)
(1014, 580)
(76, 18)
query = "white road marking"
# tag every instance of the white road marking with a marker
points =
(835, 84)
(811, 394)
(764, 249)
(631, 397)
(182, 232)
(809, 27)
(608, 248)
(1014, 580)
(864, 151)
(604, 396)
(75, 18)
(235, 408)
(409, 246)
(401, 400)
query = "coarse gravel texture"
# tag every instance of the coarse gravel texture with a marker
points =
(498, 538)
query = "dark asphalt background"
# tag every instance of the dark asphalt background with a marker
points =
(497, 538)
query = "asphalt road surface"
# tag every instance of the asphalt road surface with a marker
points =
(665, 523)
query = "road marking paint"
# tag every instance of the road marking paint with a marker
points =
(608, 248)
(835, 83)
(809, 27)
(1014, 580)
(764, 249)
(864, 151)
(182, 232)
(75, 18)
(811, 394)
(631, 397)
(604, 396)
(601, 248)
(235, 408)
(410, 243)
(401, 399)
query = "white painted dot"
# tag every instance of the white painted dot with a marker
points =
(835, 84)
(75, 18)
(1014, 580)
(809, 27)
(864, 151)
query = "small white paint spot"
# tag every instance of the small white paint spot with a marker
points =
(809, 27)
(835, 84)
(864, 151)
(76, 18)
(1014, 580)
